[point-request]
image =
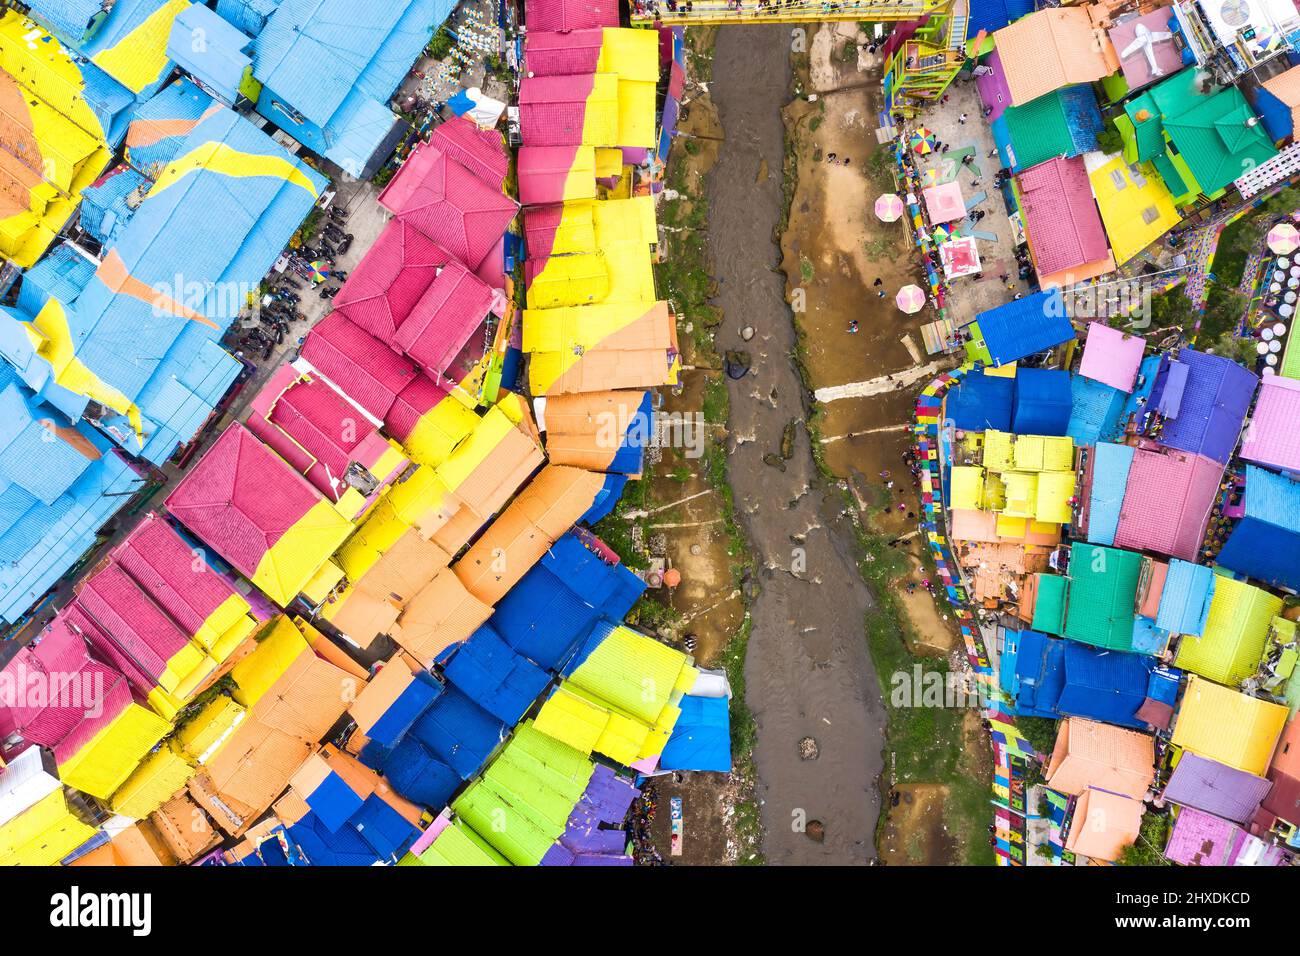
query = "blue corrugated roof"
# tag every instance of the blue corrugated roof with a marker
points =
(250, 16)
(403, 712)
(414, 772)
(993, 15)
(1104, 685)
(459, 732)
(152, 145)
(1025, 326)
(1213, 405)
(496, 678)
(1095, 410)
(30, 456)
(1265, 544)
(69, 18)
(701, 739)
(1042, 402)
(1185, 600)
(980, 402)
(1040, 674)
(61, 275)
(1110, 467)
(104, 209)
(219, 61)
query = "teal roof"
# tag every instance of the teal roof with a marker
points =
(1103, 593)
(1061, 123)
(1220, 138)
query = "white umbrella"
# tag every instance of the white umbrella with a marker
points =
(1289, 297)
(1279, 329)
(1266, 334)
(1284, 238)
(1270, 359)
(1261, 348)
(889, 208)
(1275, 288)
(1285, 311)
(910, 298)
(1275, 346)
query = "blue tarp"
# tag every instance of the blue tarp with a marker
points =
(1110, 468)
(1265, 544)
(1042, 402)
(980, 402)
(1025, 327)
(701, 739)
(1185, 600)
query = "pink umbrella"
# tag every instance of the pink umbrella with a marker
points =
(889, 208)
(1284, 238)
(910, 299)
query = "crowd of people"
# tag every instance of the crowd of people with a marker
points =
(640, 823)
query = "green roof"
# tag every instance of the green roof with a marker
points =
(1147, 133)
(1290, 366)
(457, 845)
(522, 803)
(1049, 608)
(1218, 140)
(1229, 649)
(1039, 130)
(1103, 592)
(1169, 173)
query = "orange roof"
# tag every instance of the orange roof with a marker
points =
(535, 520)
(1091, 754)
(1104, 824)
(1051, 49)
(443, 613)
(184, 828)
(138, 845)
(256, 763)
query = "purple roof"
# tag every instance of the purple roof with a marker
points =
(1215, 788)
(993, 87)
(1202, 839)
(1212, 406)
(585, 842)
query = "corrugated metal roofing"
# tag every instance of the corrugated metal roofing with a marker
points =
(386, 285)
(1215, 788)
(1215, 397)
(500, 681)
(979, 402)
(445, 319)
(1050, 49)
(1104, 685)
(1112, 356)
(1110, 470)
(565, 15)
(1168, 502)
(1025, 326)
(1092, 754)
(1185, 600)
(1042, 402)
(1265, 544)
(1227, 726)
(1103, 591)
(1272, 438)
(1061, 218)
(358, 364)
(1095, 410)
(1232, 643)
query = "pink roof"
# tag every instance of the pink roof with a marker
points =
(481, 151)
(448, 314)
(543, 172)
(63, 661)
(364, 368)
(553, 109)
(1167, 501)
(1202, 839)
(944, 203)
(241, 498)
(1112, 357)
(449, 204)
(540, 225)
(1061, 217)
(1273, 436)
(1137, 72)
(125, 627)
(386, 284)
(163, 563)
(558, 54)
(565, 15)
(417, 399)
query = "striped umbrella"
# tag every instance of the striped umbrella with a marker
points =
(889, 208)
(922, 141)
(1284, 238)
(910, 299)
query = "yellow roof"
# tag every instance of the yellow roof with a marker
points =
(631, 53)
(998, 455)
(1044, 453)
(43, 834)
(158, 777)
(204, 734)
(1136, 206)
(1230, 727)
(1055, 489)
(1022, 494)
(297, 556)
(102, 765)
(967, 486)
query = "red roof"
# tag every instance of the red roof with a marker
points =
(449, 204)
(64, 661)
(416, 400)
(164, 565)
(565, 15)
(1167, 502)
(450, 312)
(240, 498)
(481, 151)
(553, 109)
(1061, 217)
(357, 363)
(387, 283)
(560, 54)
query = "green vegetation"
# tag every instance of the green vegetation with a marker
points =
(1150, 845)
(744, 733)
(1039, 731)
(441, 43)
(805, 269)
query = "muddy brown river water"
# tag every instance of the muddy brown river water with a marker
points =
(808, 672)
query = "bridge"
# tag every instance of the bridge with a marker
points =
(717, 12)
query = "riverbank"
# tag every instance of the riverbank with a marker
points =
(833, 252)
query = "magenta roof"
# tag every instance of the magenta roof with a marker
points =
(944, 203)
(1167, 501)
(241, 498)
(558, 54)
(568, 15)
(386, 284)
(1112, 357)
(364, 368)
(415, 400)
(448, 314)
(543, 173)
(61, 657)
(1273, 435)
(553, 109)
(481, 151)
(1061, 217)
(1200, 839)
(449, 204)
